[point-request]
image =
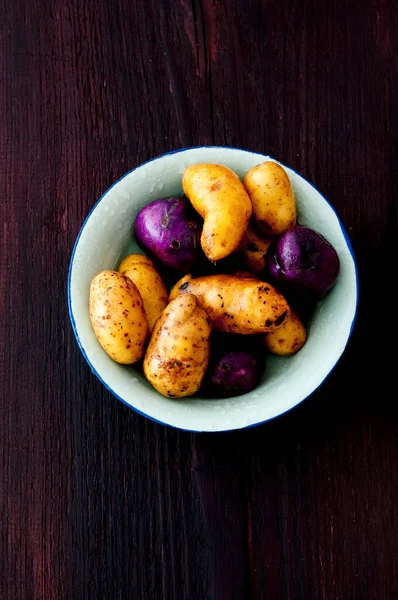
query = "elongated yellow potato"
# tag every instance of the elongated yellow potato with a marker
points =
(219, 196)
(118, 317)
(288, 338)
(236, 304)
(272, 196)
(142, 271)
(178, 352)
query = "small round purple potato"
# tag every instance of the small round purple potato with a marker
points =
(234, 371)
(169, 230)
(302, 259)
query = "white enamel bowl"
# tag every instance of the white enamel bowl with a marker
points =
(105, 238)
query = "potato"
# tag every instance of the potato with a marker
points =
(168, 229)
(303, 260)
(236, 365)
(272, 196)
(118, 317)
(178, 352)
(219, 196)
(236, 304)
(254, 248)
(288, 338)
(142, 271)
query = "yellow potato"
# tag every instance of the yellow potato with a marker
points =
(272, 196)
(288, 338)
(118, 317)
(236, 304)
(219, 196)
(142, 271)
(254, 248)
(178, 352)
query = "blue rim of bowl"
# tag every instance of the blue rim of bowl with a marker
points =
(73, 322)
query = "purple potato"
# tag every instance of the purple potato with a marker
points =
(233, 371)
(304, 261)
(168, 230)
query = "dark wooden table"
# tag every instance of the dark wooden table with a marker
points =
(96, 501)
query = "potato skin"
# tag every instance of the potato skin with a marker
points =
(236, 304)
(142, 271)
(219, 196)
(272, 196)
(118, 317)
(288, 338)
(178, 352)
(254, 248)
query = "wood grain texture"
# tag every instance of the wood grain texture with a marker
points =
(96, 501)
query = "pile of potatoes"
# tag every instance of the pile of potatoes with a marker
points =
(225, 274)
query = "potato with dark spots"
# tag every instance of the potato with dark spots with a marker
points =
(118, 317)
(254, 248)
(142, 271)
(287, 339)
(219, 196)
(236, 304)
(272, 196)
(178, 352)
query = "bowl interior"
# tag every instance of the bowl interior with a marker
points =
(105, 239)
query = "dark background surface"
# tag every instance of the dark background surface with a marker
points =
(97, 501)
